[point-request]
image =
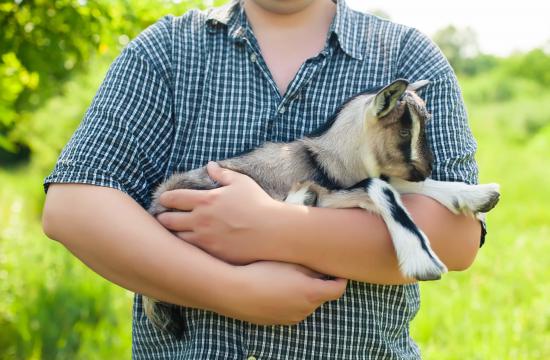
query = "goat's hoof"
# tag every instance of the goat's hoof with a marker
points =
(304, 193)
(492, 200)
(477, 198)
(427, 276)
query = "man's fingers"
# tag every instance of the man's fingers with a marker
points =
(188, 236)
(331, 289)
(220, 175)
(176, 221)
(184, 199)
(307, 271)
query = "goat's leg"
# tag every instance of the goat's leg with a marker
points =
(458, 197)
(415, 256)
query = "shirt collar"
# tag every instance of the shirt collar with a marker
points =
(231, 15)
(345, 27)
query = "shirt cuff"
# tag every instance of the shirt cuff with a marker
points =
(71, 174)
(483, 232)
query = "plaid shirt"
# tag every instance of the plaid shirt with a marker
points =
(195, 88)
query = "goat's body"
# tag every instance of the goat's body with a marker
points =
(276, 167)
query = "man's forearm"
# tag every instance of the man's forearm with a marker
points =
(354, 244)
(113, 235)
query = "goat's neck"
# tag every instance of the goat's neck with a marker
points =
(339, 157)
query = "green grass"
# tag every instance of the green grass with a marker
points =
(498, 309)
(53, 307)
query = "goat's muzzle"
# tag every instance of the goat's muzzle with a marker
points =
(419, 173)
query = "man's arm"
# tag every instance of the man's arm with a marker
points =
(115, 237)
(240, 223)
(355, 244)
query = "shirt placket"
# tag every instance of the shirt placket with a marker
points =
(303, 77)
(255, 342)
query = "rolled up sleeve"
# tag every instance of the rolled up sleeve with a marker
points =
(124, 139)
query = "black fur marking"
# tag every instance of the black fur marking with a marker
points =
(363, 184)
(387, 102)
(321, 177)
(326, 126)
(404, 220)
(405, 144)
(406, 119)
(176, 325)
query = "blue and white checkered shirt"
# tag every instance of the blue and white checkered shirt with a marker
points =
(195, 88)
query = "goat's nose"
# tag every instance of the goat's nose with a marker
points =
(416, 175)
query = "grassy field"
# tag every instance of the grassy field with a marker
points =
(498, 309)
(52, 307)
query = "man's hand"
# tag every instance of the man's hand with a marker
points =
(276, 293)
(229, 223)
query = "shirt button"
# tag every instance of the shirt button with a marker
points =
(253, 58)
(214, 22)
(251, 358)
(282, 110)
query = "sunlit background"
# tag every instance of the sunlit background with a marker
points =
(502, 27)
(53, 56)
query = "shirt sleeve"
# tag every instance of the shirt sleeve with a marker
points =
(448, 131)
(124, 139)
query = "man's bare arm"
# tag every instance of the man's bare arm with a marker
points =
(115, 237)
(355, 244)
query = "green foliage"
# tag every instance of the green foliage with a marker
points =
(55, 308)
(44, 43)
(535, 65)
(458, 45)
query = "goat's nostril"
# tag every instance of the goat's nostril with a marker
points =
(416, 175)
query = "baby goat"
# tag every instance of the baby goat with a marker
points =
(372, 149)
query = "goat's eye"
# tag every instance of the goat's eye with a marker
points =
(405, 133)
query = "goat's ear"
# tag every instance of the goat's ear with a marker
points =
(418, 85)
(385, 100)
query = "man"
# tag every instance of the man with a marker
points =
(206, 86)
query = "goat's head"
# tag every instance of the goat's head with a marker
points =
(395, 123)
(393, 138)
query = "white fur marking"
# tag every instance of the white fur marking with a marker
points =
(414, 261)
(415, 133)
(297, 197)
(458, 197)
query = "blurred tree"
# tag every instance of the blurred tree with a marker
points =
(380, 13)
(534, 65)
(458, 45)
(43, 43)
